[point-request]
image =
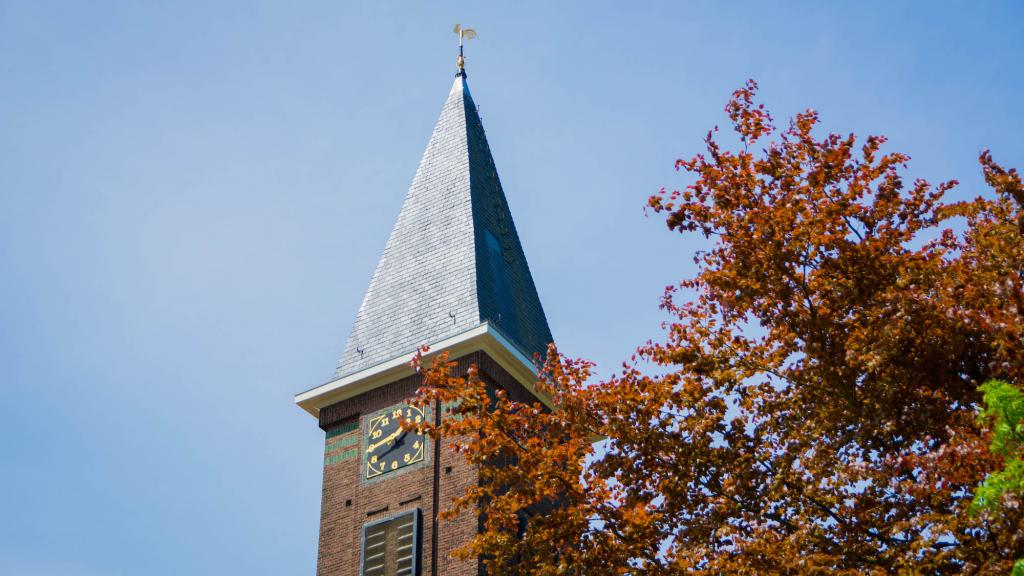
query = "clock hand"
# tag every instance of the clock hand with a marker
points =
(404, 432)
(384, 440)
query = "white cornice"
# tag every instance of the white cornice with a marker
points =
(483, 337)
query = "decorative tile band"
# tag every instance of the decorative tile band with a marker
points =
(346, 455)
(342, 442)
(448, 407)
(343, 436)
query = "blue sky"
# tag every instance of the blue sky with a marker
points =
(193, 197)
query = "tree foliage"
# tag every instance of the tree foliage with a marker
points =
(1004, 411)
(812, 404)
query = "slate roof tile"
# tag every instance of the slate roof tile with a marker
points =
(454, 259)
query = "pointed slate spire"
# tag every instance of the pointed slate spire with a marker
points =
(453, 260)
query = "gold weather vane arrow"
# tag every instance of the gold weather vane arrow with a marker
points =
(467, 34)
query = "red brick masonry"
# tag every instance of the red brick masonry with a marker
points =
(349, 501)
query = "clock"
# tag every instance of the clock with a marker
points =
(388, 447)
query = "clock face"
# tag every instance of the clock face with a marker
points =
(388, 447)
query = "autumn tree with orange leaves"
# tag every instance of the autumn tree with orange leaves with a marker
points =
(812, 407)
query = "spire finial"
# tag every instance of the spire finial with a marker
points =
(464, 33)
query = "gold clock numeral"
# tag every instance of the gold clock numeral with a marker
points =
(406, 458)
(371, 471)
(394, 464)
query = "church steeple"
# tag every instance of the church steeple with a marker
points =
(452, 265)
(453, 260)
(453, 276)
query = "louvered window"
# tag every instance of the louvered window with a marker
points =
(391, 547)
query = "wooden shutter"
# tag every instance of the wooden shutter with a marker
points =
(391, 547)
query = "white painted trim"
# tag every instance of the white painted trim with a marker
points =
(483, 337)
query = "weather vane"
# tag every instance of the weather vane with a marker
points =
(464, 33)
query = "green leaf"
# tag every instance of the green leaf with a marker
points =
(1004, 408)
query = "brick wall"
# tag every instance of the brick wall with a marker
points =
(349, 502)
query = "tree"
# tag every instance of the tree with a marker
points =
(812, 405)
(1004, 408)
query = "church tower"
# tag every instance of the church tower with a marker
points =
(453, 275)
